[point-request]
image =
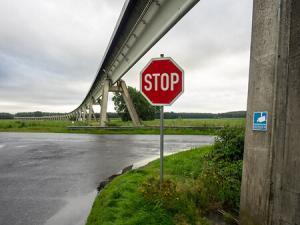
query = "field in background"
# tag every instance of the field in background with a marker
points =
(183, 126)
(186, 122)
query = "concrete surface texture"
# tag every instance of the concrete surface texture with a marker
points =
(271, 174)
(51, 179)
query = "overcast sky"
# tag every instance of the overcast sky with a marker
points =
(50, 51)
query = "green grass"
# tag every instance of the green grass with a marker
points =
(186, 122)
(202, 126)
(35, 126)
(190, 191)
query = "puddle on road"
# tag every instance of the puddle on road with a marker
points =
(75, 212)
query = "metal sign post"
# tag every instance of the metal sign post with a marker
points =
(161, 142)
(161, 83)
(161, 145)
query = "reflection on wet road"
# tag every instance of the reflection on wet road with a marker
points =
(52, 178)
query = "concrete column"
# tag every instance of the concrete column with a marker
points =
(103, 112)
(131, 109)
(84, 113)
(270, 192)
(80, 115)
(77, 115)
(91, 112)
(99, 101)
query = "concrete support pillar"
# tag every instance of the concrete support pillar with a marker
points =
(103, 112)
(99, 101)
(270, 192)
(80, 115)
(91, 112)
(131, 109)
(83, 113)
(77, 116)
(94, 116)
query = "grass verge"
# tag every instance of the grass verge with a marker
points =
(196, 185)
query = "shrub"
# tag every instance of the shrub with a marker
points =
(229, 144)
(177, 201)
(222, 173)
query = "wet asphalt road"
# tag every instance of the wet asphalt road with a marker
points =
(51, 178)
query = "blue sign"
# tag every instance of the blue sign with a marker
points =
(260, 121)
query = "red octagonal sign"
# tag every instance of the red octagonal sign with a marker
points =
(161, 81)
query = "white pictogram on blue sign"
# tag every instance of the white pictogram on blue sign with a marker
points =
(260, 121)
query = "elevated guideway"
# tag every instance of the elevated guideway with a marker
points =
(141, 24)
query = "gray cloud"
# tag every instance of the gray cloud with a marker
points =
(50, 52)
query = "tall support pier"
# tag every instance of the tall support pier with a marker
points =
(122, 88)
(271, 175)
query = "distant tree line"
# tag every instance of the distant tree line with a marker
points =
(6, 116)
(27, 114)
(36, 114)
(112, 115)
(174, 115)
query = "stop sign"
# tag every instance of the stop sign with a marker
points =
(161, 81)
